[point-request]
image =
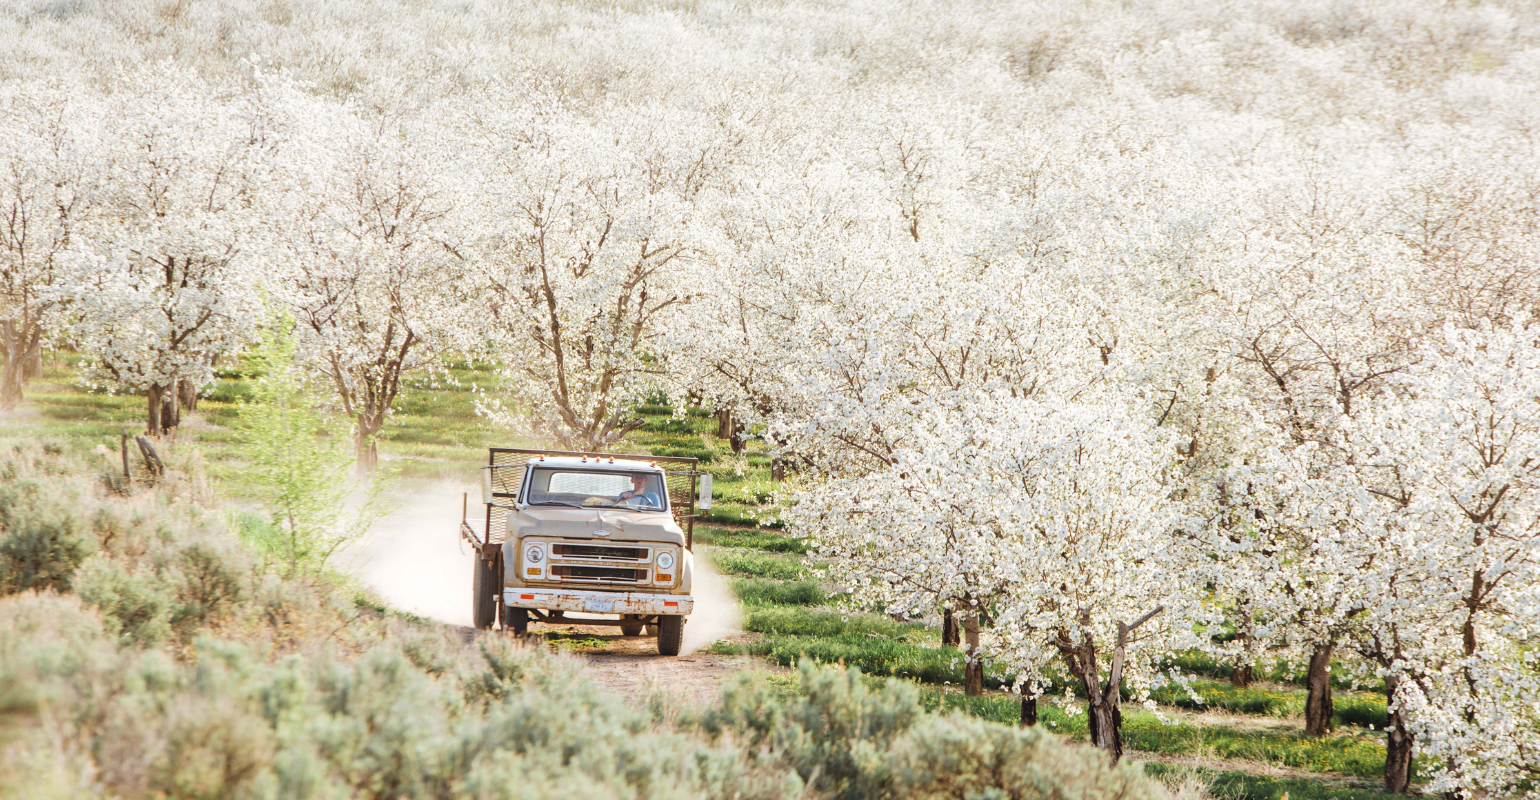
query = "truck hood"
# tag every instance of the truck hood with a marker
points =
(582, 523)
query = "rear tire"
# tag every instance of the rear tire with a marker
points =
(484, 599)
(670, 635)
(516, 620)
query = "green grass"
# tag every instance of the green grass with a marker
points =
(1360, 754)
(877, 645)
(1240, 786)
(758, 564)
(759, 593)
(1223, 696)
(1362, 709)
(1277, 671)
(737, 514)
(1355, 754)
(748, 538)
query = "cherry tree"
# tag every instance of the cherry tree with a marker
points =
(367, 234)
(163, 283)
(583, 244)
(1323, 315)
(1452, 598)
(47, 178)
(1101, 577)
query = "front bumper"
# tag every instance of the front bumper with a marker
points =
(599, 602)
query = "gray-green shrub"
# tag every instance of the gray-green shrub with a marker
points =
(852, 742)
(41, 543)
(135, 606)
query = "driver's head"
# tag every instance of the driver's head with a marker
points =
(638, 483)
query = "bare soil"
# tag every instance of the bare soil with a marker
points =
(631, 666)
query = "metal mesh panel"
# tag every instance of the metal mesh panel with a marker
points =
(681, 498)
(507, 476)
(507, 473)
(497, 524)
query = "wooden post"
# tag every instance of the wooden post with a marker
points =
(152, 460)
(123, 448)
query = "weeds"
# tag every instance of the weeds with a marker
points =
(749, 538)
(755, 564)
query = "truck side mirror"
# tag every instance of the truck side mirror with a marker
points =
(486, 485)
(704, 502)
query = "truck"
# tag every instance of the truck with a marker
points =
(606, 536)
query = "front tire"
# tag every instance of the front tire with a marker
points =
(516, 620)
(670, 635)
(484, 599)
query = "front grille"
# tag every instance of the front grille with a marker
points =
(600, 551)
(608, 574)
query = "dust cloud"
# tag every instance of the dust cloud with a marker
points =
(716, 614)
(414, 558)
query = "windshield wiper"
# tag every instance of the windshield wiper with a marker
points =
(557, 503)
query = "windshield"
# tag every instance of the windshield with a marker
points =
(637, 491)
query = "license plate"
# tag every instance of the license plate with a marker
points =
(599, 605)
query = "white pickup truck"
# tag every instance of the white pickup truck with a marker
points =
(586, 534)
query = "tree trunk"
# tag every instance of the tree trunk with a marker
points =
(1242, 676)
(1318, 709)
(32, 363)
(170, 407)
(187, 393)
(1105, 721)
(974, 671)
(725, 423)
(950, 637)
(12, 381)
(777, 469)
(1028, 710)
(23, 361)
(1398, 746)
(154, 403)
(367, 454)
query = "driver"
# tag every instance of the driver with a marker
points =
(639, 496)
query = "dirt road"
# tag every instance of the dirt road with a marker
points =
(632, 666)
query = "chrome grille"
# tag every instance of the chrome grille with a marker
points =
(572, 572)
(601, 552)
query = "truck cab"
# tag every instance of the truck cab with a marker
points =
(589, 534)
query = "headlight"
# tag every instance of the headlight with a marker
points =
(665, 561)
(534, 555)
